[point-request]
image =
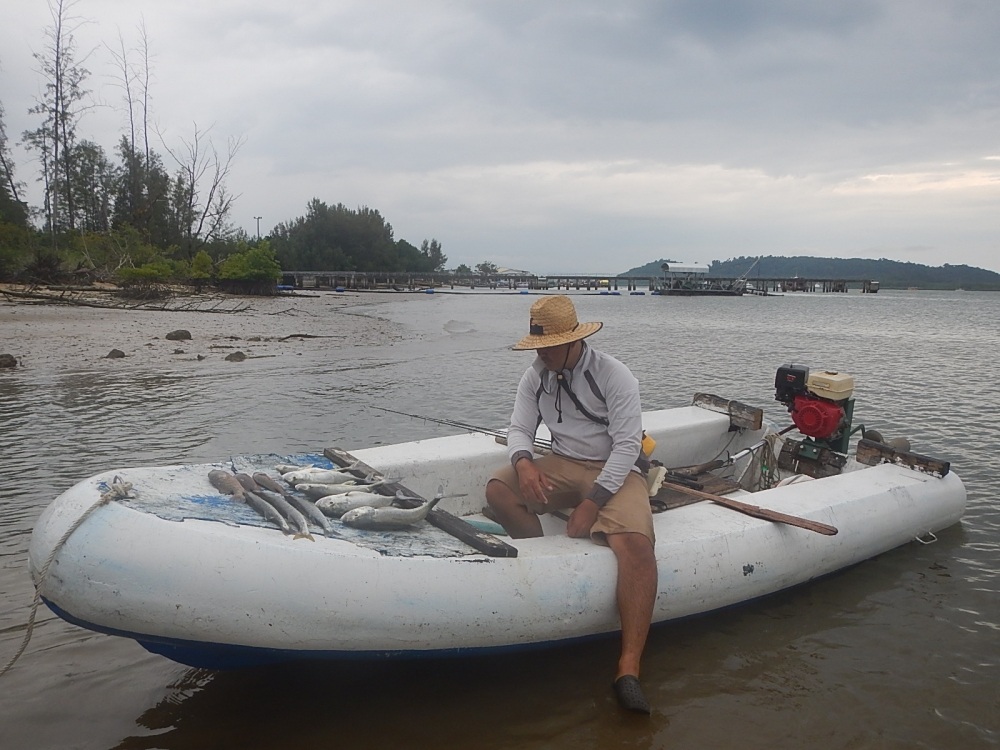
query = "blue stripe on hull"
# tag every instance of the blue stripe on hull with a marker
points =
(206, 655)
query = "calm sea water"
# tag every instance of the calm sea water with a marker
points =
(902, 651)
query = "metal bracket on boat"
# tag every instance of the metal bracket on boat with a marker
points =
(926, 538)
(740, 415)
(871, 453)
(802, 457)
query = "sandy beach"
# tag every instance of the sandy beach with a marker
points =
(53, 335)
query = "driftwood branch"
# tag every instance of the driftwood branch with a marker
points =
(303, 336)
(77, 299)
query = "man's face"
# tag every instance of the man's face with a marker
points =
(554, 357)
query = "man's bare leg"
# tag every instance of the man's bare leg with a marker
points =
(636, 593)
(511, 512)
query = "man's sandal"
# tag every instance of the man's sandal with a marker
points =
(630, 696)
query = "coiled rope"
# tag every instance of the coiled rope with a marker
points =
(118, 490)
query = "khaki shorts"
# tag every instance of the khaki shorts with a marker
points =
(627, 511)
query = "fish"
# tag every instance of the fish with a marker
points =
(317, 491)
(320, 476)
(229, 485)
(285, 468)
(283, 506)
(337, 505)
(307, 507)
(389, 518)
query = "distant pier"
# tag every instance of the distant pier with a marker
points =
(400, 281)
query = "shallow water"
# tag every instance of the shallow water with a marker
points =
(898, 652)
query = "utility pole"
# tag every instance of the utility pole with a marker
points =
(258, 218)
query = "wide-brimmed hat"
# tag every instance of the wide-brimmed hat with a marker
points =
(554, 322)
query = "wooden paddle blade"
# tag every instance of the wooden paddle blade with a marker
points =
(756, 511)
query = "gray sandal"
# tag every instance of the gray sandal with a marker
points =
(630, 696)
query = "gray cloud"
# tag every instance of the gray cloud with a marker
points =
(582, 134)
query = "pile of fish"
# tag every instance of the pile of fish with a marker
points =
(320, 494)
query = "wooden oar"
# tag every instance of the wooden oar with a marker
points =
(754, 510)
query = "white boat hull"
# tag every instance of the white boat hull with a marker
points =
(213, 593)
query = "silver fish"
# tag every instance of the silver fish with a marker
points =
(320, 476)
(307, 507)
(229, 485)
(283, 506)
(389, 518)
(317, 491)
(285, 468)
(337, 505)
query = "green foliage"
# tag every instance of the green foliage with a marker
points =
(435, 259)
(336, 238)
(18, 247)
(142, 196)
(251, 264)
(12, 211)
(462, 268)
(157, 272)
(202, 267)
(147, 281)
(103, 252)
(486, 268)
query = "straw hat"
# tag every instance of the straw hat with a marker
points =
(554, 322)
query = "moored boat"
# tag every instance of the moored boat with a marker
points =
(161, 556)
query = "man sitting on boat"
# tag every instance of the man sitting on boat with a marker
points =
(590, 403)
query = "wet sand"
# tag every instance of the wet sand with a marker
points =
(67, 336)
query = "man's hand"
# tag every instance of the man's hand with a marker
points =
(533, 483)
(582, 519)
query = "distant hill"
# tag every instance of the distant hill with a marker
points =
(890, 274)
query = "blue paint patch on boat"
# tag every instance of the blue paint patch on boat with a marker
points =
(214, 501)
(207, 655)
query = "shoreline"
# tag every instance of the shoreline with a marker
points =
(59, 335)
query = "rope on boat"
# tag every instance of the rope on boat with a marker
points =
(118, 490)
(763, 467)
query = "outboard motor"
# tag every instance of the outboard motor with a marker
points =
(820, 403)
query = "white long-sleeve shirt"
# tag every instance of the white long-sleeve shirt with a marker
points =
(574, 435)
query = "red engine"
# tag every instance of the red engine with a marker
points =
(820, 404)
(816, 417)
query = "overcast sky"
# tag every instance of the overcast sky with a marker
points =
(577, 136)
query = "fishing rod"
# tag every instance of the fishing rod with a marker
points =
(501, 435)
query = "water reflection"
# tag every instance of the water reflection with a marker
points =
(904, 645)
(779, 655)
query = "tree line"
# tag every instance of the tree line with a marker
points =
(890, 274)
(152, 210)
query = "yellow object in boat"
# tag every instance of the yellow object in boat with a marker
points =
(648, 444)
